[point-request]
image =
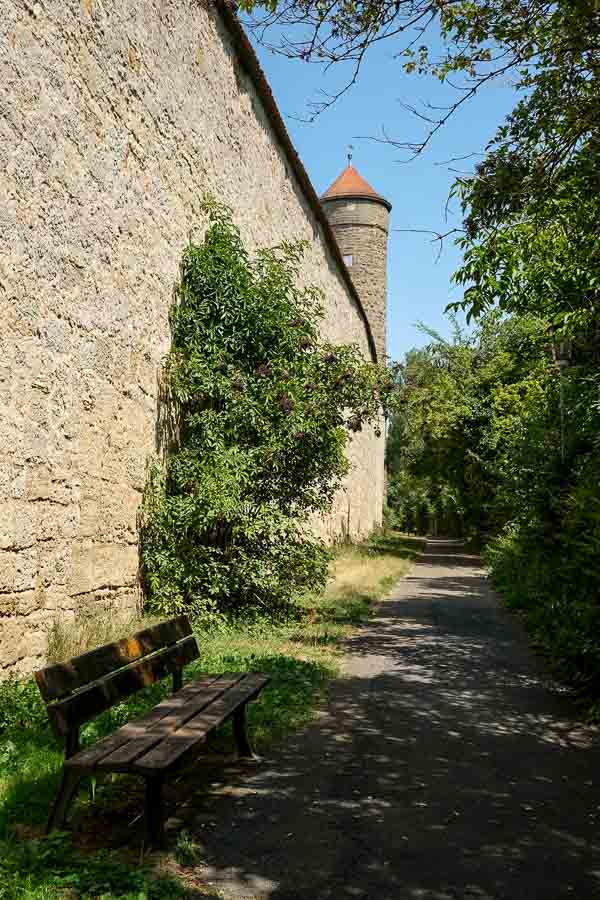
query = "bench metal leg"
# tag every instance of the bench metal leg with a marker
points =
(154, 811)
(64, 798)
(177, 680)
(241, 735)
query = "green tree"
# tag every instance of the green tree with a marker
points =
(262, 411)
(518, 457)
(428, 436)
(441, 456)
(545, 261)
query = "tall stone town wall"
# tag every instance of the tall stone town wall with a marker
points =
(115, 118)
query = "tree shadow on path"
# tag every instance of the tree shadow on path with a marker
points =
(444, 765)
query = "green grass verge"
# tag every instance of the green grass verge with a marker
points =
(301, 656)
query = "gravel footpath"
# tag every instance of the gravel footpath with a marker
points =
(446, 764)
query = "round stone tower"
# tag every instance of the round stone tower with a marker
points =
(359, 217)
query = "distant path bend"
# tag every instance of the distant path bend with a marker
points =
(445, 766)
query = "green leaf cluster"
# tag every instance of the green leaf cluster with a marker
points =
(259, 409)
(441, 456)
(515, 465)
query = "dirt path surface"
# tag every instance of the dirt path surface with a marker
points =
(445, 765)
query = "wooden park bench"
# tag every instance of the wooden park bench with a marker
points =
(153, 745)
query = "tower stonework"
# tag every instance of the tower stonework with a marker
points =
(359, 217)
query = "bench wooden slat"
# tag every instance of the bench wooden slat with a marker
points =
(100, 695)
(125, 755)
(59, 680)
(195, 730)
(87, 759)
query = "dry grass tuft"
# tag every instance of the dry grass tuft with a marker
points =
(357, 571)
(89, 629)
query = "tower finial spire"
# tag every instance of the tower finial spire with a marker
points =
(350, 152)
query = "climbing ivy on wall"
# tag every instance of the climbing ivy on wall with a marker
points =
(261, 409)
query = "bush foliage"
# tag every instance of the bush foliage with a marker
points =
(261, 409)
(494, 442)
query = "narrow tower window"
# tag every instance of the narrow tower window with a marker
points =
(349, 260)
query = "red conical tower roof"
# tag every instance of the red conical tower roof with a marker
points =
(351, 184)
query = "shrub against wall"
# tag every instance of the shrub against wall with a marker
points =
(262, 409)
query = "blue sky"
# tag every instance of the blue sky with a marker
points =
(418, 282)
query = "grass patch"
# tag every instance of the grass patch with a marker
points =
(49, 869)
(301, 654)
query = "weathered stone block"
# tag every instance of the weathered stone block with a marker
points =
(99, 566)
(17, 525)
(17, 570)
(9, 604)
(12, 637)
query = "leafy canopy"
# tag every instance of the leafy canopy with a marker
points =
(261, 409)
(513, 463)
(548, 49)
(442, 453)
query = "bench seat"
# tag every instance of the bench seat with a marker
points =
(157, 741)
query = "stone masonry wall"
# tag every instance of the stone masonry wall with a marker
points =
(361, 228)
(115, 118)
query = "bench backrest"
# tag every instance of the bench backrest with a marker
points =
(83, 687)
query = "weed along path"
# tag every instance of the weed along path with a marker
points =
(445, 766)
